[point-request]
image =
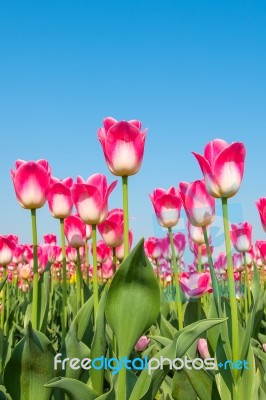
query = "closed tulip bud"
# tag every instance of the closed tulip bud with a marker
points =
(31, 181)
(75, 231)
(112, 229)
(7, 248)
(59, 197)
(167, 205)
(203, 348)
(103, 252)
(91, 198)
(142, 343)
(123, 145)
(222, 166)
(241, 236)
(198, 204)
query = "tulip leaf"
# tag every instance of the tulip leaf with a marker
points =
(203, 384)
(75, 389)
(31, 365)
(133, 300)
(2, 283)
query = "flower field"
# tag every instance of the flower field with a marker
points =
(86, 315)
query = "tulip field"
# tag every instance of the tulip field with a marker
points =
(86, 315)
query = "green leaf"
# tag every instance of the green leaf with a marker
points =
(76, 390)
(2, 283)
(203, 384)
(31, 365)
(182, 387)
(133, 300)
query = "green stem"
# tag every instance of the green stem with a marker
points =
(247, 287)
(122, 384)
(87, 262)
(199, 258)
(3, 300)
(79, 281)
(176, 278)
(215, 285)
(125, 207)
(231, 284)
(114, 260)
(64, 314)
(35, 298)
(95, 271)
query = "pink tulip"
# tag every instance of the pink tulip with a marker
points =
(261, 206)
(223, 167)
(50, 238)
(195, 233)
(167, 205)
(72, 255)
(264, 347)
(261, 245)
(123, 145)
(103, 252)
(108, 269)
(91, 198)
(198, 204)
(31, 181)
(119, 251)
(142, 343)
(59, 197)
(112, 229)
(18, 254)
(197, 284)
(75, 231)
(203, 348)
(7, 248)
(153, 247)
(238, 262)
(241, 236)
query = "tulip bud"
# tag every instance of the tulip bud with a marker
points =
(203, 348)
(142, 343)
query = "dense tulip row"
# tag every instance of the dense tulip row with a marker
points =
(85, 297)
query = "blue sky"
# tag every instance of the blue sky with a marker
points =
(191, 71)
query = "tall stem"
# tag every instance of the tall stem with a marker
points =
(125, 207)
(114, 260)
(199, 258)
(247, 287)
(215, 286)
(231, 283)
(64, 314)
(79, 281)
(176, 278)
(3, 300)
(122, 384)
(87, 262)
(95, 270)
(35, 271)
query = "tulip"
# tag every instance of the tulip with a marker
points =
(241, 236)
(196, 285)
(59, 197)
(167, 205)
(261, 206)
(31, 181)
(203, 348)
(25, 272)
(198, 204)
(103, 252)
(153, 247)
(50, 238)
(142, 343)
(91, 198)
(223, 167)
(195, 233)
(123, 145)
(7, 249)
(75, 231)
(112, 229)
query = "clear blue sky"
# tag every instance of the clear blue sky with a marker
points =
(190, 70)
